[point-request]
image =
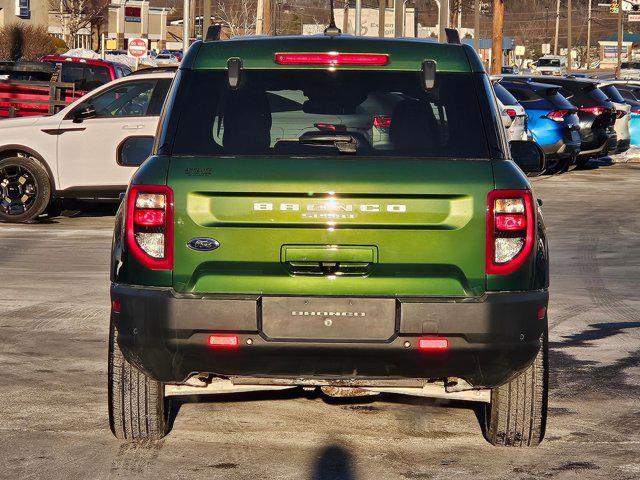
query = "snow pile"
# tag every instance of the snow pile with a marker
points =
(125, 59)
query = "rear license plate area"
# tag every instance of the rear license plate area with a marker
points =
(328, 319)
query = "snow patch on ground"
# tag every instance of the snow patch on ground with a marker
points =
(125, 59)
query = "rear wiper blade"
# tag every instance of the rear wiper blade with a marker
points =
(345, 143)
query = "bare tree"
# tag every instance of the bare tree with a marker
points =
(74, 15)
(237, 16)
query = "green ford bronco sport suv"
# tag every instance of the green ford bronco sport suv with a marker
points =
(335, 212)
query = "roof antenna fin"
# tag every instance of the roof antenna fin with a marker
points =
(332, 29)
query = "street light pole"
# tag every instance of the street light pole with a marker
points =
(358, 26)
(443, 19)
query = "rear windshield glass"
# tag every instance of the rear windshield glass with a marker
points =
(630, 65)
(524, 95)
(503, 95)
(85, 77)
(330, 113)
(613, 93)
(598, 95)
(548, 62)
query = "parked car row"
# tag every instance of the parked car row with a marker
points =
(572, 119)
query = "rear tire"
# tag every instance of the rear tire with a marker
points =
(25, 189)
(582, 162)
(138, 409)
(517, 414)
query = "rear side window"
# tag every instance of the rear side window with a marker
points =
(85, 77)
(503, 95)
(130, 99)
(318, 113)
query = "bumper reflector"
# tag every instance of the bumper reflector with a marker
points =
(225, 341)
(433, 344)
(116, 306)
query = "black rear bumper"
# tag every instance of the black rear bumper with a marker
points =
(491, 338)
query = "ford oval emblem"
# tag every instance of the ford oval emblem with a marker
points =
(203, 244)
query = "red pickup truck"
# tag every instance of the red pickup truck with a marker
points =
(44, 87)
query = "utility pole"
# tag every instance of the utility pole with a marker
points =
(186, 30)
(620, 38)
(589, 18)
(382, 17)
(569, 48)
(358, 26)
(259, 18)
(476, 26)
(397, 18)
(345, 18)
(496, 41)
(266, 17)
(206, 17)
(193, 19)
(555, 42)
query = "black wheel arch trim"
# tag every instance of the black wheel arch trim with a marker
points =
(31, 152)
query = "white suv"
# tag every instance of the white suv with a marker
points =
(73, 154)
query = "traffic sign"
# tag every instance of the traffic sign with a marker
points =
(137, 48)
(546, 48)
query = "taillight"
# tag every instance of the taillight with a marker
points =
(558, 115)
(332, 59)
(596, 111)
(510, 230)
(150, 225)
(116, 306)
(636, 111)
(382, 121)
(433, 344)
(511, 112)
(224, 341)
(620, 113)
(330, 127)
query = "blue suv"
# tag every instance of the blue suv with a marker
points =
(553, 121)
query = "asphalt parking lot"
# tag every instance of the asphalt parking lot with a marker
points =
(53, 350)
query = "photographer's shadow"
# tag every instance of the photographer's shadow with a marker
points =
(334, 463)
